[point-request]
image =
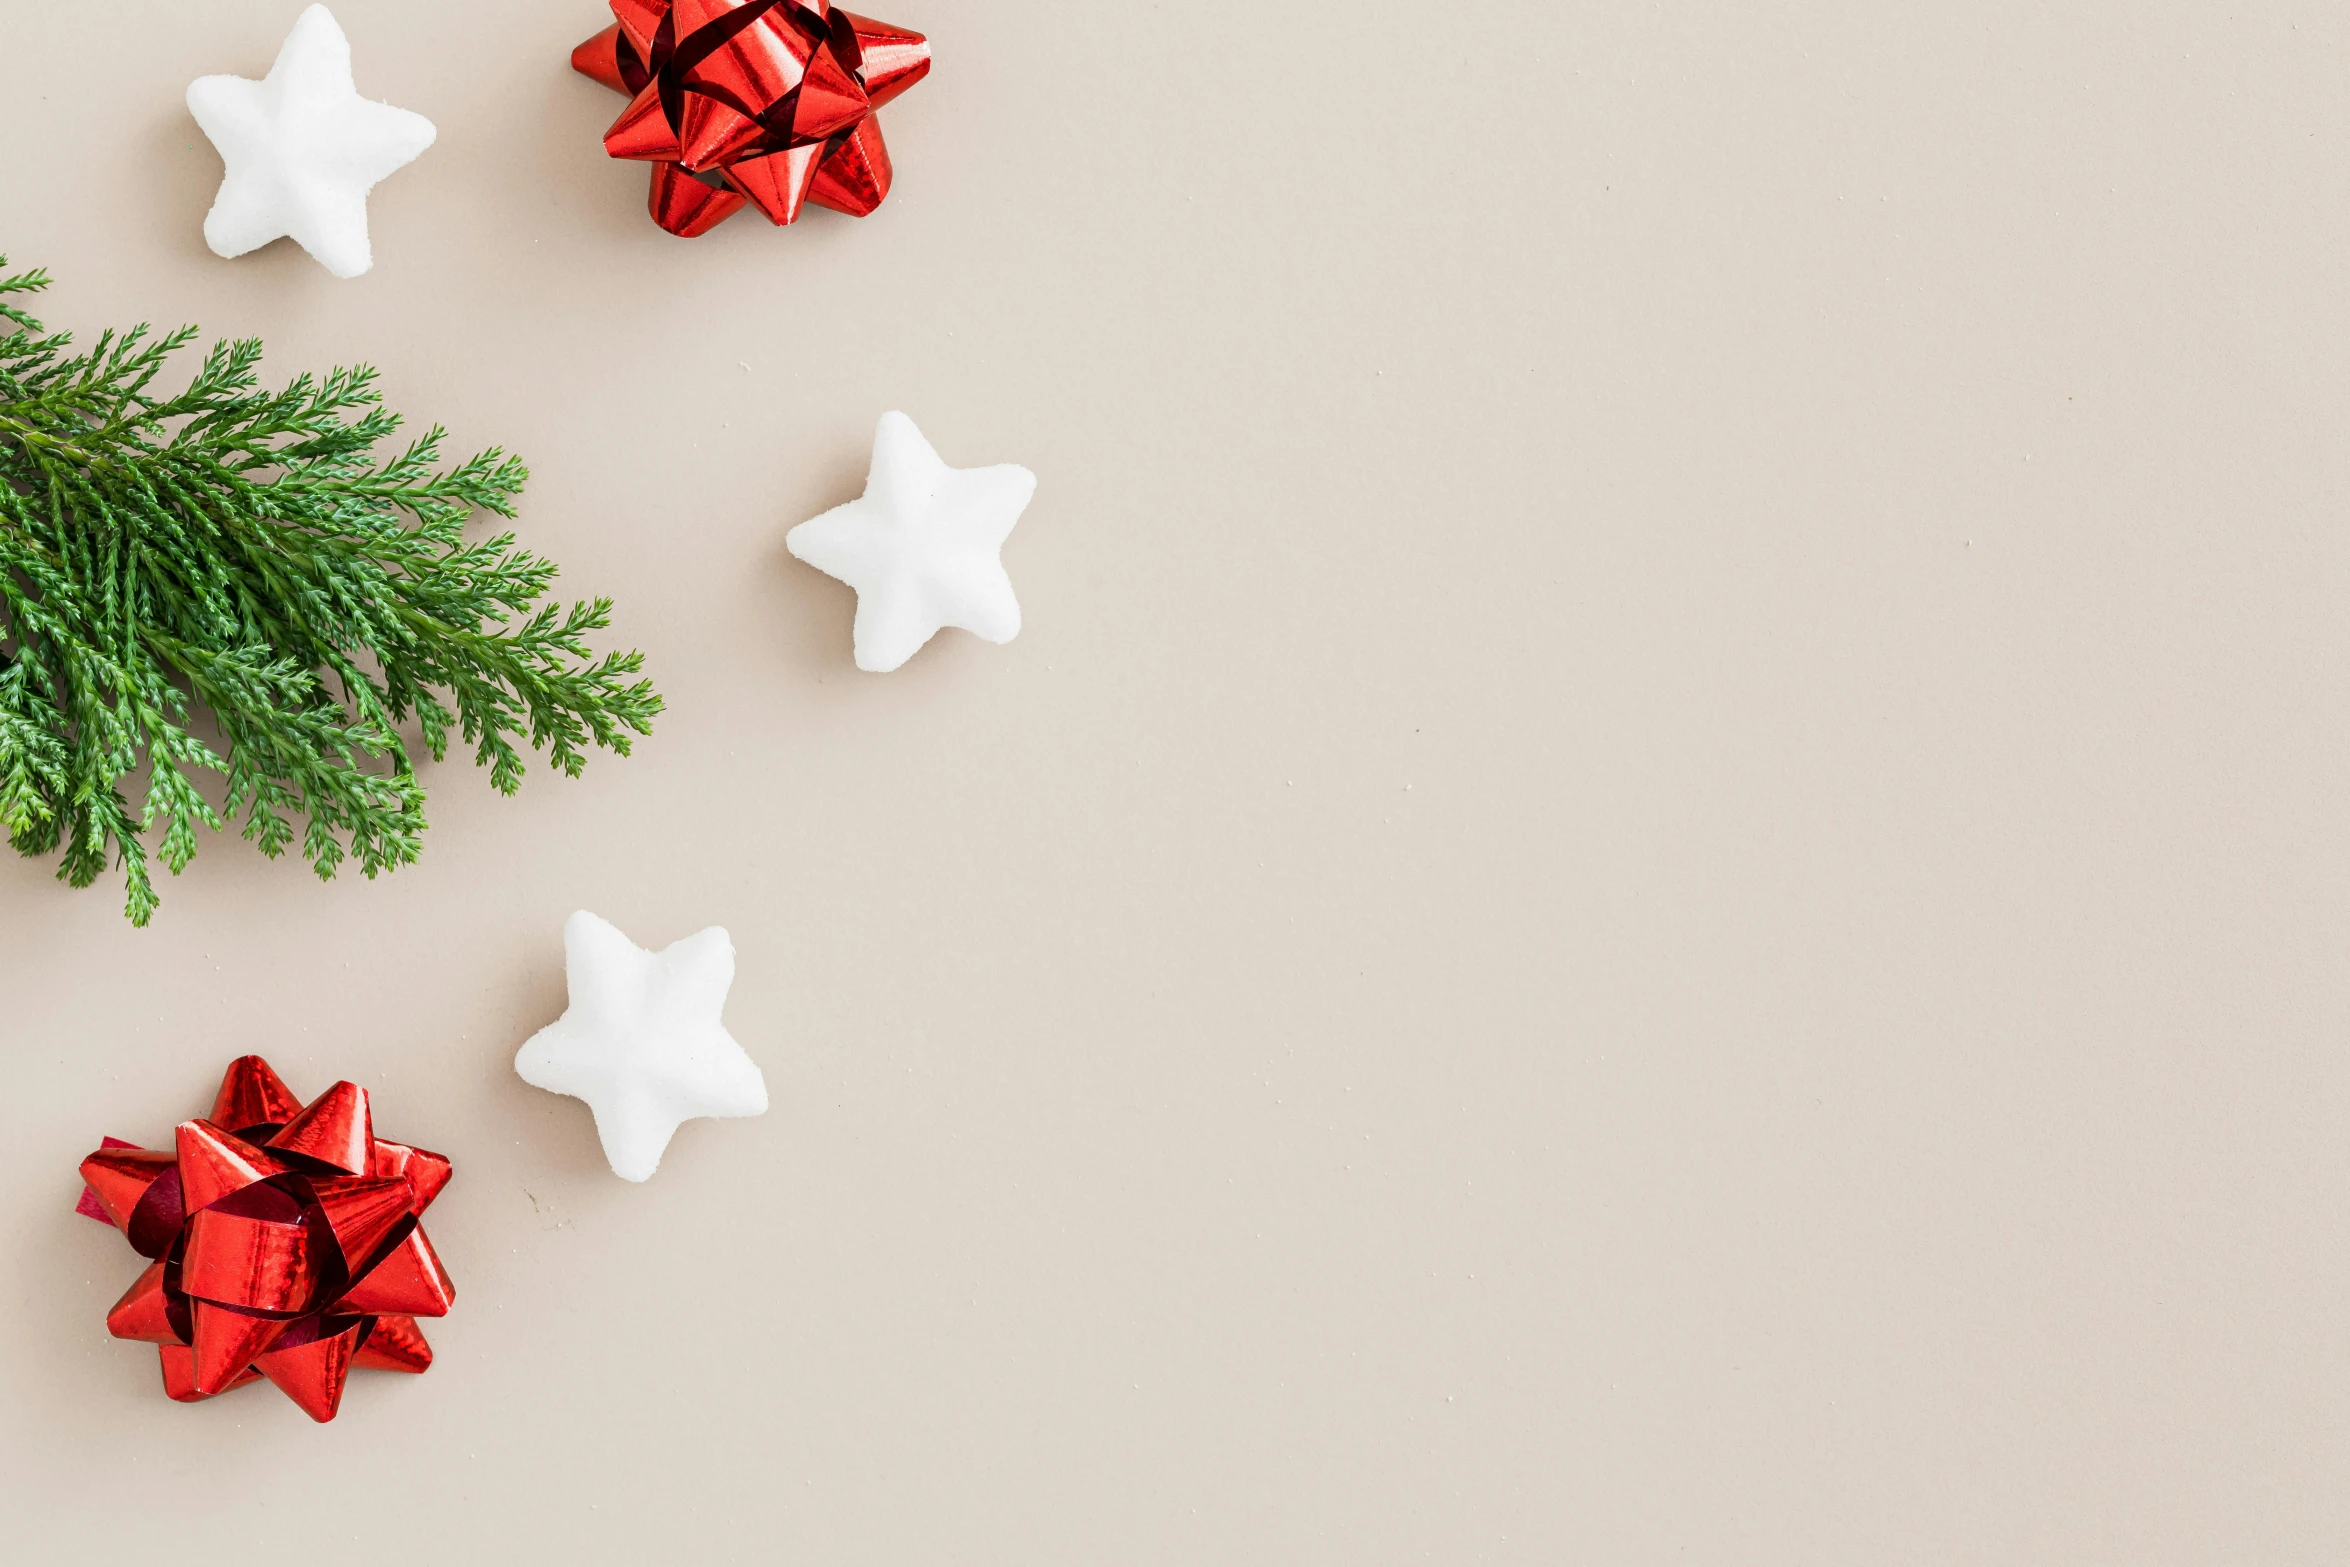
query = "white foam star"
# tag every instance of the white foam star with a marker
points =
(302, 149)
(642, 1042)
(920, 547)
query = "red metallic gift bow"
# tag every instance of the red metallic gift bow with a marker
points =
(284, 1242)
(766, 101)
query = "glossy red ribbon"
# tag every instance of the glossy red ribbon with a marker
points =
(765, 101)
(284, 1242)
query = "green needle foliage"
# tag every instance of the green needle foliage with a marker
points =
(246, 552)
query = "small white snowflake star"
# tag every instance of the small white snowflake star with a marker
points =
(302, 149)
(920, 547)
(642, 1042)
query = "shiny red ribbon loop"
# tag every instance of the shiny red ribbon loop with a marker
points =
(765, 101)
(284, 1240)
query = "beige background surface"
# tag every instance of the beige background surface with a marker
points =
(1661, 878)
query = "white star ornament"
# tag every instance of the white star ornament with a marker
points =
(641, 1041)
(920, 546)
(302, 149)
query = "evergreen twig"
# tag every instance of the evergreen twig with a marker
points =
(248, 552)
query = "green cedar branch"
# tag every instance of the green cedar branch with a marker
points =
(247, 553)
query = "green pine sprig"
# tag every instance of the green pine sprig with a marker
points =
(246, 552)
